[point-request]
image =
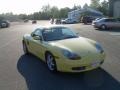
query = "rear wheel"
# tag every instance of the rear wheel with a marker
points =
(3, 25)
(25, 48)
(51, 64)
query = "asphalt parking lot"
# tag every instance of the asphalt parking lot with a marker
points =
(21, 72)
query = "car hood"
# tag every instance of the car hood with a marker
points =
(78, 45)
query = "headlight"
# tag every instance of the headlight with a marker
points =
(99, 48)
(70, 55)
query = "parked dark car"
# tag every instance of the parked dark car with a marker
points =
(4, 24)
(26, 20)
(87, 19)
(57, 21)
(34, 22)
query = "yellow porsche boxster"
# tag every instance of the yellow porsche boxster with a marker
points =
(63, 50)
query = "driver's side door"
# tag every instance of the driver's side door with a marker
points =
(37, 45)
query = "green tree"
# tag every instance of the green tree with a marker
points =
(23, 16)
(85, 6)
(45, 13)
(1, 17)
(100, 6)
(79, 7)
(104, 8)
(64, 12)
(95, 4)
(54, 12)
(46, 8)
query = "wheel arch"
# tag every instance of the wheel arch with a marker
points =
(103, 25)
(48, 52)
(23, 41)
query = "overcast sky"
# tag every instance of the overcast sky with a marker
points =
(30, 6)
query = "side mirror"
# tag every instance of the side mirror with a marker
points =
(37, 38)
(32, 34)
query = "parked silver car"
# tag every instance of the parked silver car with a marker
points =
(105, 23)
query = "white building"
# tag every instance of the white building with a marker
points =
(76, 14)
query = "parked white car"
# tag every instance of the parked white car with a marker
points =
(68, 21)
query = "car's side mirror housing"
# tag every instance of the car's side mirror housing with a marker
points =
(37, 38)
(32, 34)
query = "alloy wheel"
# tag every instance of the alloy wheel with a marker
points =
(50, 62)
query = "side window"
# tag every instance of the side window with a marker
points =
(110, 20)
(114, 20)
(106, 20)
(37, 32)
(65, 31)
(56, 32)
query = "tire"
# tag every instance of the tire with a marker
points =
(85, 23)
(3, 25)
(103, 27)
(25, 49)
(50, 61)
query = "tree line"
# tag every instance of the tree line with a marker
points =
(48, 12)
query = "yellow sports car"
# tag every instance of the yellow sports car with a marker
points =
(63, 50)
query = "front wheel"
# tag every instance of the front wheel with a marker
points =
(51, 64)
(103, 27)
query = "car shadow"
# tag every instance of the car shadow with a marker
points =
(38, 77)
(86, 24)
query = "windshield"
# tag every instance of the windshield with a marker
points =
(58, 33)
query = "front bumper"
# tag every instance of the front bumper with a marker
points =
(96, 26)
(79, 65)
